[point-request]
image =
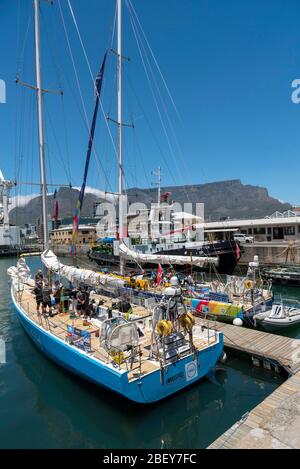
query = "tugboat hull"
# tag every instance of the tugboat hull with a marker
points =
(224, 251)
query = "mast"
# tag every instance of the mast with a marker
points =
(158, 174)
(40, 123)
(120, 159)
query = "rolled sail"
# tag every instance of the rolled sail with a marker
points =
(75, 274)
(130, 254)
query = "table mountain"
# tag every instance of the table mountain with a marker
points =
(222, 199)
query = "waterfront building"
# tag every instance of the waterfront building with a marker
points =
(9, 234)
(278, 227)
(63, 236)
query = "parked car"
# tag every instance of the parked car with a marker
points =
(243, 238)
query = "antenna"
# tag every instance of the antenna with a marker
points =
(158, 184)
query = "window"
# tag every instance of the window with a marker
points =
(269, 231)
(289, 230)
(250, 231)
(259, 231)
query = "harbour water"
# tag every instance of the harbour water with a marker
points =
(43, 406)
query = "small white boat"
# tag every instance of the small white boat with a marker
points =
(278, 317)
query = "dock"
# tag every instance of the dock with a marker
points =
(265, 349)
(275, 422)
(270, 252)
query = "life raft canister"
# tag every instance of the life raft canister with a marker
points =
(164, 327)
(187, 321)
(248, 284)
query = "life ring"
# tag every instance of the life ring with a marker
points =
(187, 321)
(118, 357)
(164, 327)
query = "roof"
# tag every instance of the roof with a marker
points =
(70, 228)
(251, 223)
(185, 216)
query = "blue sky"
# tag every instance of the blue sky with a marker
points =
(229, 65)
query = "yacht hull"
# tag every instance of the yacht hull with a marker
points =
(148, 388)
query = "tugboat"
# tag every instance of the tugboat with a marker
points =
(225, 252)
(159, 235)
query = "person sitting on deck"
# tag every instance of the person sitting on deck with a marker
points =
(46, 292)
(125, 307)
(189, 281)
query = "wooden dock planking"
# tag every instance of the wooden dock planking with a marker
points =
(264, 427)
(274, 423)
(264, 345)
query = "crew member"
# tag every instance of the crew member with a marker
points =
(47, 303)
(57, 289)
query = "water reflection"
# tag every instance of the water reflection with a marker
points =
(43, 406)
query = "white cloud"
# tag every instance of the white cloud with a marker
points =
(99, 193)
(21, 200)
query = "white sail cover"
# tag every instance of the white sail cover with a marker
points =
(21, 273)
(75, 274)
(130, 254)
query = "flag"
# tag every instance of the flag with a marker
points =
(55, 215)
(98, 87)
(164, 197)
(159, 275)
(237, 250)
(56, 212)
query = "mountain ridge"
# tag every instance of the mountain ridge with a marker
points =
(221, 199)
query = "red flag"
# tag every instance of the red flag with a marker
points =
(164, 197)
(159, 275)
(237, 251)
(56, 211)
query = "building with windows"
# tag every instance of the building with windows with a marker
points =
(62, 236)
(277, 227)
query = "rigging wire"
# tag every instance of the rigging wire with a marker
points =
(156, 141)
(93, 80)
(138, 26)
(85, 118)
(56, 140)
(130, 6)
(141, 49)
(59, 74)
